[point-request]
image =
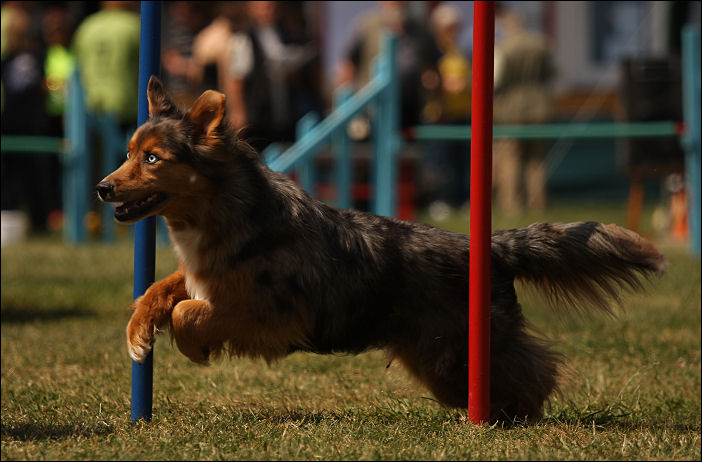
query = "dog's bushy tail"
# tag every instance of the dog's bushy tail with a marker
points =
(583, 264)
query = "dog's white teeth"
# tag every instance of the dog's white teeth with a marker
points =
(146, 200)
(123, 208)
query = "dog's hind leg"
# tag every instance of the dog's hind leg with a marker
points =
(439, 360)
(151, 312)
(194, 326)
(524, 370)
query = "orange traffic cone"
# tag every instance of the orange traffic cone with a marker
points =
(679, 230)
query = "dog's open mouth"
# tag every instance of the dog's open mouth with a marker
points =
(140, 208)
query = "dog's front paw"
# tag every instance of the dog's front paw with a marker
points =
(140, 339)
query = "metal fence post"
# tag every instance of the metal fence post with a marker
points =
(691, 140)
(112, 140)
(77, 164)
(386, 128)
(307, 171)
(342, 151)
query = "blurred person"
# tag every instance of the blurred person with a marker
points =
(25, 176)
(106, 46)
(211, 45)
(305, 83)
(5, 13)
(262, 62)
(22, 77)
(523, 69)
(183, 74)
(412, 54)
(445, 164)
(59, 64)
(23, 8)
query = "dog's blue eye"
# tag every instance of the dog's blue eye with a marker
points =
(152, 159)
(127, 154)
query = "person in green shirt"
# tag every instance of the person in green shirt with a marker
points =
(106, 47)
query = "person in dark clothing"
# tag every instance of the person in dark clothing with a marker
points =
(524, 68)
(22, 77)
(262, 63)
(25, 176)
(414, 54)
(445, 164)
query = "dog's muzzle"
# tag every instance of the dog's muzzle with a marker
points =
(105, 190)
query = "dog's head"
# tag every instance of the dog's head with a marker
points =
(172, 158)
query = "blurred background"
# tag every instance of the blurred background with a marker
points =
(591, 122)
(555, 62)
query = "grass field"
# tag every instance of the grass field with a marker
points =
(635, 392)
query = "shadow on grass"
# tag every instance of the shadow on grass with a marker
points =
(602, 420)
(393, 414)
(617, 418)
(20, 315)
(36, 431)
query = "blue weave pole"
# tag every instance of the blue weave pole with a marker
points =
(145, 230)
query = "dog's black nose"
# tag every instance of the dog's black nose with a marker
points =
(104, 190)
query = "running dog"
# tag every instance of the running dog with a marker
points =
(266, 270)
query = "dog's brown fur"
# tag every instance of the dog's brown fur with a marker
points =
(266, 270)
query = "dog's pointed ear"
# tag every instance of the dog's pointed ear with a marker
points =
(159, 102)
(207, 113)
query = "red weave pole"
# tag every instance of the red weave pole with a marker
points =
(480, 213)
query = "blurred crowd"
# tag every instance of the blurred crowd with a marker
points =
(265, 56)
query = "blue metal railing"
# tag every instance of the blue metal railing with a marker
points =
(381, 93)
(77, 164)
(552, 130)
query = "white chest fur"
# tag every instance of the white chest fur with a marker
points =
(187, 246)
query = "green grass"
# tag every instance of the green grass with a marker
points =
(634, 393)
